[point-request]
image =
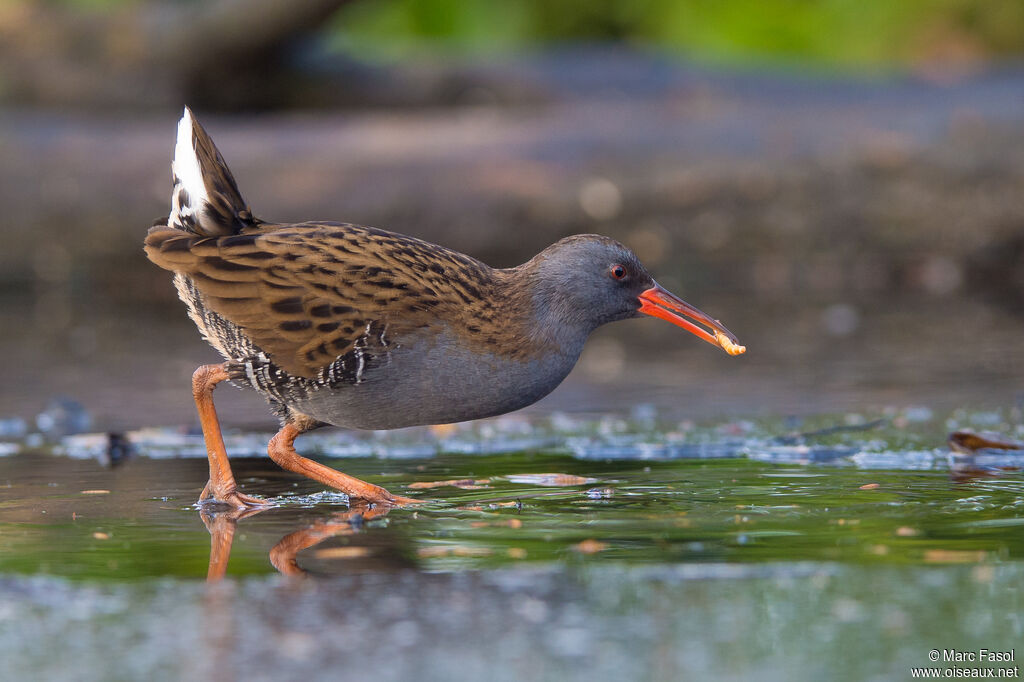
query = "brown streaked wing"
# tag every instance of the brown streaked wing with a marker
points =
(305, 293)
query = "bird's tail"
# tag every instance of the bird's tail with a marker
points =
(205, 200)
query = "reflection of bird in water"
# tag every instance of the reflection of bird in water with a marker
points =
(357, 327)
(284, 555)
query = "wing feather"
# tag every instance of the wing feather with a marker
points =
(304, 294)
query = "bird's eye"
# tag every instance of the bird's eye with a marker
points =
(618, 272)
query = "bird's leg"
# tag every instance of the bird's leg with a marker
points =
(221, 487)
(282, 451)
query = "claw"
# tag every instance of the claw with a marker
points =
(232, 499)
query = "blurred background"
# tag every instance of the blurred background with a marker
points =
(841, 182)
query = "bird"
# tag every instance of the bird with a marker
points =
(352, 326)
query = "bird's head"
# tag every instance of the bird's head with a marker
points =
(587, 280)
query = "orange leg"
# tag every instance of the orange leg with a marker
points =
(221, 486)
(282, 451)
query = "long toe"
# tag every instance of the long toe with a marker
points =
(234, 500)
(399, 501)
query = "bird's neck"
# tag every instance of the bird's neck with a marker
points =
(540, 312)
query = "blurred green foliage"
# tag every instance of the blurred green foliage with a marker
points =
(849, 33)
(846, 33)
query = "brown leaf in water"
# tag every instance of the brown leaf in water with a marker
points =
(471, 551)
(509, 523)
(342, 552)
(551, 480)
(464, 483)
(589, 546)
(432, 552)
(954, 556)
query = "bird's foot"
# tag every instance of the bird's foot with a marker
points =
(375, 495)
(230, 497)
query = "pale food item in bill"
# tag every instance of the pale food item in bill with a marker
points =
(728, 345)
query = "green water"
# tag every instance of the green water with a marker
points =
(812, 551)
(729, 510)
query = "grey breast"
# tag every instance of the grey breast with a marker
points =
(434, 380)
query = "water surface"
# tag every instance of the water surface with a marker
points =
(839, 547)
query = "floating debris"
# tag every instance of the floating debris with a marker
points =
(972, 455)
(109, 449)
(463, 483)
(954, 556)
(550, 480)
(342, 552)
(490, 506)
(589, 546)
(505, 523)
